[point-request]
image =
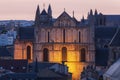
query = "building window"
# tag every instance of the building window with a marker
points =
(28, 53)
(45, 55)
(64, 36)
(48, 37)
(79, 36)
(83, 55)
(64, 54)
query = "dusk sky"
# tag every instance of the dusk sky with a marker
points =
(25, 9)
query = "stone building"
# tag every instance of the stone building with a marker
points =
(63, 39)
(23, 46)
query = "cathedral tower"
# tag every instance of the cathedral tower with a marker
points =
(49, 10)
(37, 16)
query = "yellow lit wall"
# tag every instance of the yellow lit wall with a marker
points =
(73, 57)
(20, 50)
(75, 68)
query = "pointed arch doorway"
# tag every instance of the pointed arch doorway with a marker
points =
(64, 54)
(45, 55)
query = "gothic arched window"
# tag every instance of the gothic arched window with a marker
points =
(29, 53)
(79, 36)
(64, 54)
(45, 55)
(64, 36)
(48, 37)
(83, 55)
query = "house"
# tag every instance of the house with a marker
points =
(18, 66)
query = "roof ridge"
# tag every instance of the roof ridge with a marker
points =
(114, 35)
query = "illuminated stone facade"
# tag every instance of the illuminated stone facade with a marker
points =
(23, 45)
(59, 40)
(23, 50)
(64, 40)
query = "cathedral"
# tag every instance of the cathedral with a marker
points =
(60, 40)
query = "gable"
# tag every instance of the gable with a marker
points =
(64, 20)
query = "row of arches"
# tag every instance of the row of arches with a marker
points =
(64, 36)
(64, 54)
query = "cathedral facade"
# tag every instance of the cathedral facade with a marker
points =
(61, 40)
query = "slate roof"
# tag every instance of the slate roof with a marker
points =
(105, 32)
(112, 18)
(4, 52)
(43, 65)
(75, 20)
(116, 39)
(26, 33)
(101, 57)
(46, 73)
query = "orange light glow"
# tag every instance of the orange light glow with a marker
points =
(75, 68)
